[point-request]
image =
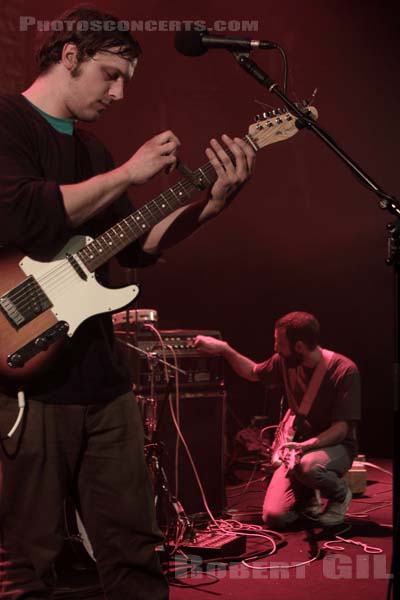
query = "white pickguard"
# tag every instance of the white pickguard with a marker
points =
(74, 300)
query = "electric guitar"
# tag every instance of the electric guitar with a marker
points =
(284, 434)
(43, 302)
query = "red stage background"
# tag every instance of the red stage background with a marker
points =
(303, 234)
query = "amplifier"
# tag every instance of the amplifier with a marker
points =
(201, 371)
(181, 340)
(202, 422)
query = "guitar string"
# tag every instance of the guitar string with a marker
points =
(52, 277)
(169, 197)
(59, 271)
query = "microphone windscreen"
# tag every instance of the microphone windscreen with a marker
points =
(189, 42)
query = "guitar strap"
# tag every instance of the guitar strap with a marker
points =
(291, 378)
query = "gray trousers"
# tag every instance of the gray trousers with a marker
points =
(288, 491)
(95, 453)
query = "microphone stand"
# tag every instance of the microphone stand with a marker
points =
(392, 205)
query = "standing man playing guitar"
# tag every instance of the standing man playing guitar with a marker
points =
(81, 433)
(322, 389)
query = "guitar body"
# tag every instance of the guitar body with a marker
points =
(285, 434)
(42, 302)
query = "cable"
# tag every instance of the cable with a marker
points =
(367, 549)
(246, 487)
(285, 68)
(369, 464)
(189, 455)
(164, 347)
(364, 514)
(178, 419)
(271, 567)
(21, 409)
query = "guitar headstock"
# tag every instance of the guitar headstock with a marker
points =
(277, 125)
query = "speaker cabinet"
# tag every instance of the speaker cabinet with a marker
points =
(202, 422)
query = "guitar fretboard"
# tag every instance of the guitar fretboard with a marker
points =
(142, 220)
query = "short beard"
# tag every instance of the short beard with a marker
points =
(293, 360)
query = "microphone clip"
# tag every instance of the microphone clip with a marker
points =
(238, 54)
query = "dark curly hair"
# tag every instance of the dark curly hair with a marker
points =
(300, 326)
(91, 30)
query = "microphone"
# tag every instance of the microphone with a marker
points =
(197, 42)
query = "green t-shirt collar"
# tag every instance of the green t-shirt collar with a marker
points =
(61, 125)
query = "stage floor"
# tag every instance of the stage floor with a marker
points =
(359, 570)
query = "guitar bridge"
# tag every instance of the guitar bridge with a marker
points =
(24, 303)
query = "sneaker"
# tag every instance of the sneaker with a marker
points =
(335, 512)
(312, 508)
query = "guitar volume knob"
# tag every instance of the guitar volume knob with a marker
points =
(15, 361)
(42, 343)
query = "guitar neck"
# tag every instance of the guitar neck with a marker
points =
(142, 220)
(274, 127)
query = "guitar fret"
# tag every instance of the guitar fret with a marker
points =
(250, 140)
(122, 234)
(140, 220)
(84, 254)
(210, 171)
(149, 220)
(96, 245)
(111, 242)
(204, 175)
(128, 224)
(175, 195)
(135, 227)
(158, 207)
(174, 199)
(115, 240)
(185, 192)
(166, 201)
